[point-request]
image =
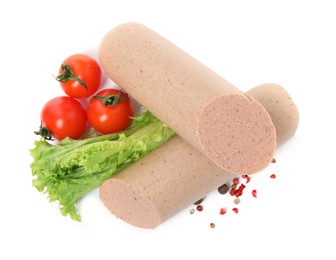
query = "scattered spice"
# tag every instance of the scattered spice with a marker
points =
(223, 189)
(199, 201)
(235, 210)
(236, 189)
(273, 160)
(222, 211)
(254, 193)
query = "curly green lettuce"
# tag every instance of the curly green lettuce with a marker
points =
(72, 168)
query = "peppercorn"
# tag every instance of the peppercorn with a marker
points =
(199, 201)
(223, 189)
(236, 201)
(235, 181)
(222, 211)
(233, 186)
(242, 186)
(254, 193)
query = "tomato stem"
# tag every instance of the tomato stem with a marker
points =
(67, 74)
(44, 133)
(112, 100)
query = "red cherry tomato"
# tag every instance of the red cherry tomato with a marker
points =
(79, 76)
(64, 117)
(106, 118)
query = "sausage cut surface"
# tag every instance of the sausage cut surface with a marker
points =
(211, 114)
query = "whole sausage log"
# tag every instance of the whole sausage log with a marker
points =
(212, 115)
(175, 175)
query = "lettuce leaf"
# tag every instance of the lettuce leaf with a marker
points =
(70, 169)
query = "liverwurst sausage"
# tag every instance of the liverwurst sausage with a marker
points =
(176, 174)
(212, 115)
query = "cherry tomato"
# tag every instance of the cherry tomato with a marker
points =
(79, 76)
(64, 117)
(107, 117)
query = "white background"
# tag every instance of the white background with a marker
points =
(291, 43)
